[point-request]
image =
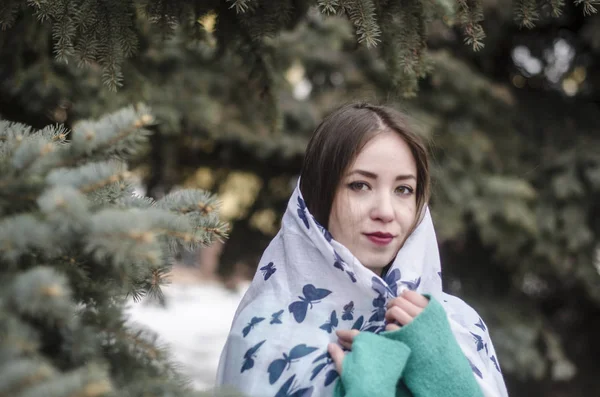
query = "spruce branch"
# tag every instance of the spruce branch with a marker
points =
(63, 32)
(362, 14)
(17, 338)
(588, 6)
(23, 373)
(8, 13)
(66, 210)
(119, 135)
(89, 381)
(89, 177)
(43, 294)
(241, 6)
(329, 7)
(82, 220)
(526, 13)
(23, 234)
(190, 201)
(556, 6)
(404, 45)
(470, 15)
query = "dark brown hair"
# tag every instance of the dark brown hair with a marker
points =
(337, 141)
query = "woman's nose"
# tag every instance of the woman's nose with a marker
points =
(382, 208)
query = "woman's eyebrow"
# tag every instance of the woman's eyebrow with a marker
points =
(374, 176)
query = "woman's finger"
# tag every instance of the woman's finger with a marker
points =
(406, 305)
(337, 355)
(415, 298)
(396, 314)
(345, 344)
(392, 327)
(347, 335)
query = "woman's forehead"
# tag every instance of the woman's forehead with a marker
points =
(386, 152)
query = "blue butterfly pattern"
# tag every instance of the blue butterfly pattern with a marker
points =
(391, 279)
(379, 312)
(325, 232)
(414, 284)
(339, 263)
(360, 325)
(348, 311)
(250, 355)
(351, 275)
(276, 317)
(331, 375)
(493, 358)
(251, 325)
(268, 270)
(382, 289)
(331, 324)
(302, 212)
(476, 370)
(478, 341)
(312, 295)
(289, 389)
(277, 367)
(480, 324)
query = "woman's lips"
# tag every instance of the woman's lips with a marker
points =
(380, 238)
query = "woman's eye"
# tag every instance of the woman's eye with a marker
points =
(404, 190)
(358, 186)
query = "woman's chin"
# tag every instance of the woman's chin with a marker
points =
(377, 266)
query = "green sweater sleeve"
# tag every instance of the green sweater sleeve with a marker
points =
(373, 367)
(437, 366)
(422, 359)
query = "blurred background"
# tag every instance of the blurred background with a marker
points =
(513, 130)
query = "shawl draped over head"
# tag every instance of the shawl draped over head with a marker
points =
(307, 285)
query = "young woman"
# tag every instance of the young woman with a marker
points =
(347, 299)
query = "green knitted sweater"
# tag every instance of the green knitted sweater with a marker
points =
(421, 359)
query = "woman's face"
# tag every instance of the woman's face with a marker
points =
(374, 207)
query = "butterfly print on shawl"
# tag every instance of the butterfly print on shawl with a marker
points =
(302, 212)
(478, 341)
(476, 370)
(348, 311)
(391, 279)
(323, 230)
(268, 270)
(277, 367)
(379, 312)
(381, 288)
(251, 325)
(493, 358)
(331, 324)
(331, 375)
(250, 355)
(289, 389)
(480, 324)
(339, 263)
(276, 317)
(360, 325)
(412, 285)
(312, 295)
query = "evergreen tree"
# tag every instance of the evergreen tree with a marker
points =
(106, 32)
(75, 243)
(517, 167)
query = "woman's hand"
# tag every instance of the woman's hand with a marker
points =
(404, 309)
(345, 338)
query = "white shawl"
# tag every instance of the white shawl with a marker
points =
(307, 285)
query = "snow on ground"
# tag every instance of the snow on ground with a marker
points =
(195, 324)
